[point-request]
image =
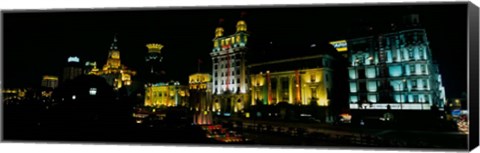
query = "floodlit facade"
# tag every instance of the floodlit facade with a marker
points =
(298, 81)
(50, 81)
(166, 95)
(395, 71)
(116, 74)
(229, 78)
(200, 88)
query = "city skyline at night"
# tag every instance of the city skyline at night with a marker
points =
(372, 76)
(187, 37)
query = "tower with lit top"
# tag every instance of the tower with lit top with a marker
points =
(229, 79)
(153, 61)
(116, 74)
(72, 69)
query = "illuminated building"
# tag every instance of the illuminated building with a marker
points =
(230, 83)
(153, 60)
(341, 47)
(90, 68)
(297, 81)
(394, 70)
(200, 87)
(116, 74)
(166, 95)
(50, 81)
(72, 69)
(13, 94)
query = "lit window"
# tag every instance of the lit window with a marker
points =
(74, 97)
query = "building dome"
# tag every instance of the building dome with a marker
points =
(241, 26)
(219, 32)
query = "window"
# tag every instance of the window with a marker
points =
(425, 83)
(414, 84)
(223, 82)
(238, 80)
(215, 82)
(410, 53)
(423, 68)
(412, 69)
(233, 72)
(216, 66)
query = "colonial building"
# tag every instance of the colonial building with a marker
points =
(230, 81)
(394, 71)
(116, 74)
(166, 95)
(297, 81)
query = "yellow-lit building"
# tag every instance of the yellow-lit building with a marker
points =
(166, 95)
(229, 77)
(200, 87)
(116, 74)
(50, 81)
(289, 81)
(199, 81)
(14, 94)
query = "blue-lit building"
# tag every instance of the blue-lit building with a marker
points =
(394, 71)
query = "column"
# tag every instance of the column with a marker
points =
(291, 84)
(279, 89)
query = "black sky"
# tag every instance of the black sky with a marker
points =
(38, 43)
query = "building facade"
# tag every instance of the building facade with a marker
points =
(169, 94)
(394, 71)
(297, 81)
(116, 74)
(230, 80)
(72, 69)
(49, 81)
(200, 88)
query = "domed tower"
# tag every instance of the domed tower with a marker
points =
(241, 26)
(229, 78)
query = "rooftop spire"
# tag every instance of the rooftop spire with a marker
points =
(114, 45)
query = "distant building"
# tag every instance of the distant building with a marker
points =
(341, 47)
(14, 94)
(72, 69)
(297, 81)
(90, 68)
(230, 80)
(50, 81)
(166, 95)
(394, 71)
(116, 74)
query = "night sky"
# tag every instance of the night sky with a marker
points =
(39, 43)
